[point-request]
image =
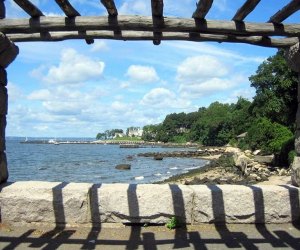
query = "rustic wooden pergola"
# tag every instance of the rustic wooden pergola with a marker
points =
(156, 27)
(38, 27)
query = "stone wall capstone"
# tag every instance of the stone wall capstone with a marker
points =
(79, 204)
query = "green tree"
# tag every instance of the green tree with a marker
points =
(213, 126)
(101, 136)
(276, 91)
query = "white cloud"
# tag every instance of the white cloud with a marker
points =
(135, 7)
(14, 92)
(208, 49)
(162, 97)
(41, 94)
(74, 68)
(210, 87)
(99, 45)
(142, 74)
(200, 67)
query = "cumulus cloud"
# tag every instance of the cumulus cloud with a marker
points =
(142, 74)
(208, 87)
(205, 75)
(99, 45)
(199, 68)
(162, 97)
(74, 68)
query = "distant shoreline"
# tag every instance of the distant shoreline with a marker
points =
(112, 142)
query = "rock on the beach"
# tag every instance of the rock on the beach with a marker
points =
(158, 158)
(241, 161)
(268, 159)
(123, 167)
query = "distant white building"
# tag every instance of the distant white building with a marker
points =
(135, 132)
(118, 135)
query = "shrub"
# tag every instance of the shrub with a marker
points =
(271, 138)
(173, 223)
(291, 156)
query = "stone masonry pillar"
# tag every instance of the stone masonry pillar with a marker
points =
(8, 52)
(293, 59)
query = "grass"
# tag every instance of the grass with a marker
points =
(127, 138)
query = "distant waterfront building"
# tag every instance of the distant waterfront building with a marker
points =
(134, 132)
(118, 135)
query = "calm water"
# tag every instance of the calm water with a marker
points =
(90, 163)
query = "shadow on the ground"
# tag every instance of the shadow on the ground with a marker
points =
(152, 238)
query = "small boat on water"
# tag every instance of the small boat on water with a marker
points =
(53, 141)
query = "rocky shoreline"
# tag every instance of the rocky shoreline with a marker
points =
(231, 166)
(207, 152)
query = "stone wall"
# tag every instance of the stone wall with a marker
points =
(293, 60)
(82, 204)
(8, 52)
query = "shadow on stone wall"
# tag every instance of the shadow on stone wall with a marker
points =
(133, 236)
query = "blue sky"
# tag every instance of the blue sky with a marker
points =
(67, 89)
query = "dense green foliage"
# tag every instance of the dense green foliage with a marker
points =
(108, 134)
(276, 91)
(268, 136)
(269, 119)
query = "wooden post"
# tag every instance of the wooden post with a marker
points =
(3, 112)
(2, 9)
(293, 59)
(8, 52)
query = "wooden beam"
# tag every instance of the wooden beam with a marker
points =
(145, 35)
(203, 8)
(285, 12)
(110, 7)
(245, 10)
(67, 8)
(29, 8)
(157, 7)
(2, 9)
(145, 23)
(70, 11)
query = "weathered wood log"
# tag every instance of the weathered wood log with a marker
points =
(157, 7)
(110, 7)
(8, 55)
(3, 100)
(3, 168)
(158, 20)
(2, 133)
(70, 11)
(8, 51)
(4, 43)
(3, 77)
(67, 8)
(203, 8)
(145, 23)
(146, 35)
(29, 8)
(2, 9)
(285, 12)
(245, 10)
